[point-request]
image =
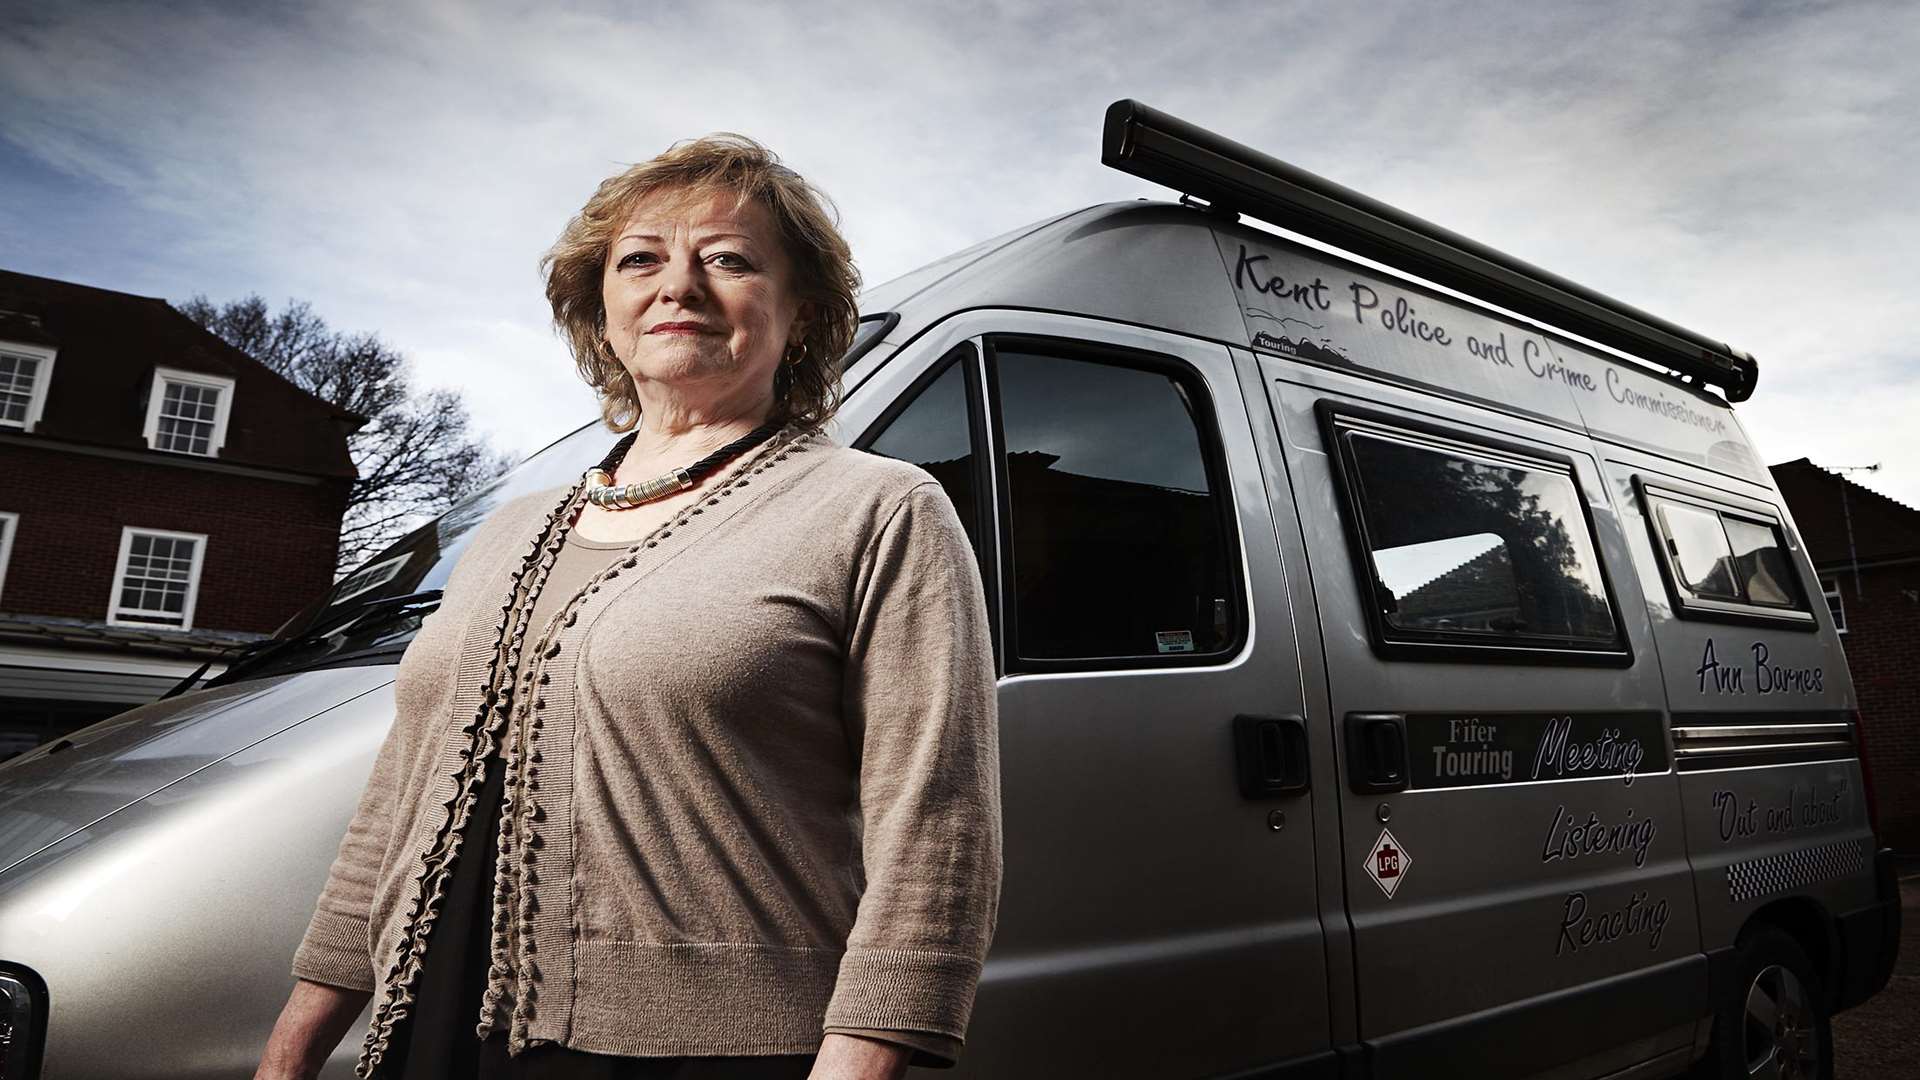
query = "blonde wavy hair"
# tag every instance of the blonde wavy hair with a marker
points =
(823, 270)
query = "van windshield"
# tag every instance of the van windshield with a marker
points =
(370, 615)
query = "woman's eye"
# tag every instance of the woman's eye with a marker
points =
(727, 260)
(635, 258)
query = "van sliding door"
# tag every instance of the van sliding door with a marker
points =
(1158, 915)
(1514, 871)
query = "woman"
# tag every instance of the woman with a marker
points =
(692, 774)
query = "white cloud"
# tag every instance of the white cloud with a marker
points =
(1743, 170)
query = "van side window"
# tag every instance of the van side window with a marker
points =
(1466, 544)
(1120, 535)
(1722, 562)
(932, 430)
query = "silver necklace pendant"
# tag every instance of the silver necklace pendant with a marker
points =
(604, 494)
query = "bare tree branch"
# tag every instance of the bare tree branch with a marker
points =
(416, 455)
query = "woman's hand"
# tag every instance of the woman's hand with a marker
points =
(310, 1026)
(851, 1057)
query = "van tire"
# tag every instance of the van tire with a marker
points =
(1773, 1022)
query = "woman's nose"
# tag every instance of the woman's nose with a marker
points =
(680, 281)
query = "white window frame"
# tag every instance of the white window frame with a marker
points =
(9, 524)
(43, 378)
(1836, 604)
(157, 396)
(370, 577)
(116, 613)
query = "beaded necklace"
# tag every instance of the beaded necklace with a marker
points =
(602, 492)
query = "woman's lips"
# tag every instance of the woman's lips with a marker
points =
(679, 328)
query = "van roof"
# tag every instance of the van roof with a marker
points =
(1190, 271)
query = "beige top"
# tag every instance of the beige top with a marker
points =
(579, 560)
(753, 775)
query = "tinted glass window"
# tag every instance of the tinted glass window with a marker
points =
(1477, 549)
(1119, 542)
(933, 433)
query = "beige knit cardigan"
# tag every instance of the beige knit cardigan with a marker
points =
(752, 773)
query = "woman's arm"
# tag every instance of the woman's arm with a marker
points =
(310, 1026)
(851, 1057)
(922, 713)
(334, 949)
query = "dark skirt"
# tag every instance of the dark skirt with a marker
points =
(437, 1041)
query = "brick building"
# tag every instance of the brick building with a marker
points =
(164, 497)
(1866, 549)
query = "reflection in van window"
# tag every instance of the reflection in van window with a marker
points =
(1699, 550)
(1478, 549)
(1761, 563)
(1463, 582)
(933, 433)
(1119, 547)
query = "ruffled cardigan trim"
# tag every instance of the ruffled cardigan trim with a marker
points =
(514, 713)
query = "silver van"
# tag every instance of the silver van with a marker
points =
(1407, 669)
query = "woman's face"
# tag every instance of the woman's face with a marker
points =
(699, 297)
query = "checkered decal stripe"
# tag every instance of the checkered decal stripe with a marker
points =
(1792, 869)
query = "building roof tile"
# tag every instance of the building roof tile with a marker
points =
(1882, 528)
(108, 345)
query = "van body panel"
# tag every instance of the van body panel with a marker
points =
(1318, 308)
(1328, 786)
(1307, 305)
(1087, 263)
(116, 917)
(1240, 284)
(1727, 680)
(1508, 908)
(62, 787)
(1146, 902)
(1785, 823)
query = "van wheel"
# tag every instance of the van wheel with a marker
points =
(1775, 1027)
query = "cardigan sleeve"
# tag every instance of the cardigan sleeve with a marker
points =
(336, 949)
(922, 714)
(929, 1050)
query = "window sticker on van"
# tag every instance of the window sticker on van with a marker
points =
(1470, 544)
(1452, 750)
(1723, 562)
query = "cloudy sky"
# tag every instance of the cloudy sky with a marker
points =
(1745, 169)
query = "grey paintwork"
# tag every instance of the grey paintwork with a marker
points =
(1154, 923)
(1119, 785)
(164, 927)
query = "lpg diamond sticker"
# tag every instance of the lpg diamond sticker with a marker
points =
(1387, 863)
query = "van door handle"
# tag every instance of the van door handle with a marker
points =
(1376, 752)
(1270, 755)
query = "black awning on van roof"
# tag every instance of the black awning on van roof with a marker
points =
(1164, 149)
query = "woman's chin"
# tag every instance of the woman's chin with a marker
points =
(683, 366)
